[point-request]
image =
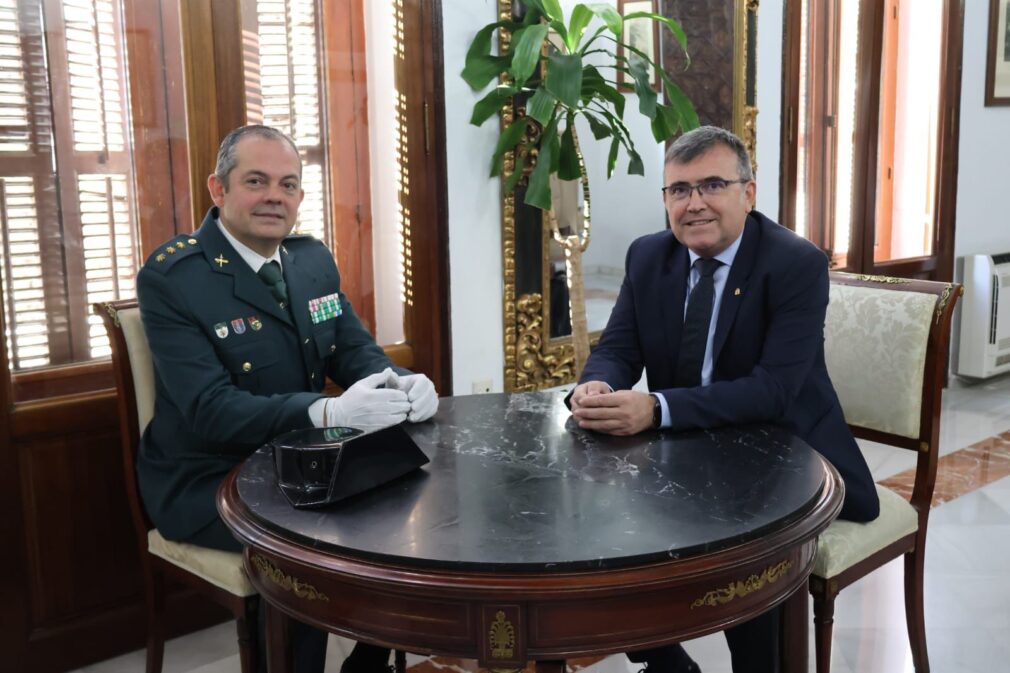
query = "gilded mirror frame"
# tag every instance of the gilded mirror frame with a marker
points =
(533, 359)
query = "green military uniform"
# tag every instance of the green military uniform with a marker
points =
(233, 367)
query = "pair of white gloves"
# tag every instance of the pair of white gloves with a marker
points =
(368, 406)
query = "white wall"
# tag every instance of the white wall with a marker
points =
(769, 104)
(386, 243)
(475, 269)
(474, 199)
(983, 223)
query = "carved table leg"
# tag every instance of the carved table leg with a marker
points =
(795, 632)
(278, 629)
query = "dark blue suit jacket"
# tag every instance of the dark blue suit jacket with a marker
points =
(768, 350)
(232, 368)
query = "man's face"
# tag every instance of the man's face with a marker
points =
(707, 224)
(259, 205)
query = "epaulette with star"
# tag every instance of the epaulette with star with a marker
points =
(167, 254)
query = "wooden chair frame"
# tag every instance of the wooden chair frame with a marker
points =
(912, 546)
(155, 570)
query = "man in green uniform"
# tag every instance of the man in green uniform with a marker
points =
(245, 324)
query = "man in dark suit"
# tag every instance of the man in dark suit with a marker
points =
(245, 323)
(725, 311)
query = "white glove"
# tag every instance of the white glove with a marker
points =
(368, 407)
(421, 393)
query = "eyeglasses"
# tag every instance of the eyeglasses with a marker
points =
(680, 191)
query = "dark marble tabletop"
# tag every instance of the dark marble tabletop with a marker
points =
(513, 484)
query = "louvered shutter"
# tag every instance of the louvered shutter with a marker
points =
(23, 294)
(284, 90)
(69, 238)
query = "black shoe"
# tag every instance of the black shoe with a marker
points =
(365, 658)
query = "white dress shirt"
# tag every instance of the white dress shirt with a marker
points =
(719, 283)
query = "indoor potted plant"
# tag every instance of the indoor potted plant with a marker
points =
(547, 60)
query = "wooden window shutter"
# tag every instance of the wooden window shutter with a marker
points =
(69, 235)
(284, 90)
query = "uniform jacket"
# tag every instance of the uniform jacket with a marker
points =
(232, 368)
(767, 352)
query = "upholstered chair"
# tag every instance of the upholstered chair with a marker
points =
(886, 346)
(213, 573)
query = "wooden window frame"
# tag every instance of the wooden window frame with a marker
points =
(157, 155)
(938, 266)
(173, 43)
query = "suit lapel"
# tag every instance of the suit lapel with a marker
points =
(301, 283)
(224, 259)
(739, 274)
(674, 287)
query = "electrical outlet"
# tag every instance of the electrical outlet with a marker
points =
(482, 386)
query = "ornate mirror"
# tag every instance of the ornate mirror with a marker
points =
(720, 81)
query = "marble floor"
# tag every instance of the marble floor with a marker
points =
(967, 581)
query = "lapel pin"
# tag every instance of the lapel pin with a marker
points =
(221, 261)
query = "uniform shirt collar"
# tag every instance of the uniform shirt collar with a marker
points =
(251, 257)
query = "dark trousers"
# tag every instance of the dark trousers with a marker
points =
(753, 647)
(308, 644)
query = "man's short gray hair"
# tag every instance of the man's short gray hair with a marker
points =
(226, 153)
(700, 140)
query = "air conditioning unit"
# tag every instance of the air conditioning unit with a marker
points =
(982, 339)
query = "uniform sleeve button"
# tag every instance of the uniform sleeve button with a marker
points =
(247, 366)
(312, 376)
(333, 348)
(306, 342)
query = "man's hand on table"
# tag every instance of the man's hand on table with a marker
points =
(625, 412)
(367, 406)
(421, 395)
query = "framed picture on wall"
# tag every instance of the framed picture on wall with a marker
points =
(997, 66)
(641, 34)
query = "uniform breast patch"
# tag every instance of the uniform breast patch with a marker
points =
(325, 308)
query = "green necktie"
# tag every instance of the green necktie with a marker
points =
(271, 274)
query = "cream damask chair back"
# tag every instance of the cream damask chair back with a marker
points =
(213, 573)
(886, 343)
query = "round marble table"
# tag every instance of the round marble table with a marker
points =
(526, 537)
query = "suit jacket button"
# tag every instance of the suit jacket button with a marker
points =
(247, 367)
(333, 348)
(312, 376)
(282, 304)
(306, 342)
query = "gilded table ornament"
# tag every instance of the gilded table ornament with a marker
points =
(502, 637)
(287, 582)
(740, 589)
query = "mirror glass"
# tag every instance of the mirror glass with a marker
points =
(720, 83)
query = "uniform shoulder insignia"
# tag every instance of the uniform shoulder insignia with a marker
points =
(170, 252)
